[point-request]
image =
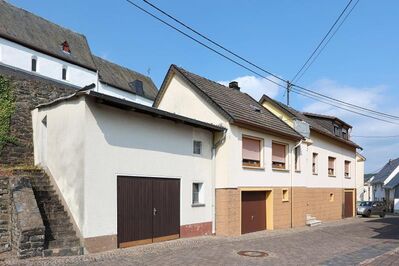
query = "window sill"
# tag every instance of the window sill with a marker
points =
(285, 200)
(297, 171)
(194, 205)
(253, 167)
(315, 173)
(347, 177)
(280, 170)
(332, 175)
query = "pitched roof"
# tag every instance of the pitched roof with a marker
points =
(134, 107)
(237, 107)
(120, 77)
(367, 177)
(383, 174)
(329, 117)
(34, 32)
(313, 124)
(393, 183)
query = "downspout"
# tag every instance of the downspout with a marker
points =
(292, 180)
(214, 149)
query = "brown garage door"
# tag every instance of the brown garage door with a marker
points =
(348, 204)
(253, 211)
(148, 210)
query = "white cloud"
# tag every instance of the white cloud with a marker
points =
(255, 86)
(377, 150)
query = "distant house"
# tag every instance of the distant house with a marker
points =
(40, 47)
(384, 182)
(361, 192)
(368, 189)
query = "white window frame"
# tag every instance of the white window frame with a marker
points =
(261, 144)
(349, 169)
(201, 200)
(297, 159)
(200, 147)
(335, 166)
(286, 167)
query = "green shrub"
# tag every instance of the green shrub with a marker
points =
(7, 107)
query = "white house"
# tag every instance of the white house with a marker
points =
(129, 174)
(268, 175)
(31, 43)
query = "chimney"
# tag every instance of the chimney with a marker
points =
(234, 85)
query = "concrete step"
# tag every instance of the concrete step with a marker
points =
(68, 251)
(313, 222)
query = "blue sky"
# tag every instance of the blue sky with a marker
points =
(360, 65)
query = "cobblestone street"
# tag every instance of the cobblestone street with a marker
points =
(367, 241)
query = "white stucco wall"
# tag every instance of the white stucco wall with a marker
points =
(127, 143)
(361, 189)
(20, 57)
(115, 92)
(229, 170)
(65, 148)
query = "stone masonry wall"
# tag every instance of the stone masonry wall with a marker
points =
(29, 91)
(27, 225)
(5, 215)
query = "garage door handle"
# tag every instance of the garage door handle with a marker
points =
(154, 211)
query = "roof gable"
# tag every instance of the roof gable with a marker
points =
(238, 107)
(386, 171)
(120, 77)
(36, 33)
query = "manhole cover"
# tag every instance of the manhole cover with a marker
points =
(254, 254)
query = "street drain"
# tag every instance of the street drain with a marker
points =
(253, 254)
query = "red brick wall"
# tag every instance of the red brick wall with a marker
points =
(199, 229)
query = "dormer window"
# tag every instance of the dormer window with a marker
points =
(65, 47)
(344, 133)
(137, 86)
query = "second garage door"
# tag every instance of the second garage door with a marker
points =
(253, 211)
(148, 210)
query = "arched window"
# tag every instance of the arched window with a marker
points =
(34, 64)
(64, 72)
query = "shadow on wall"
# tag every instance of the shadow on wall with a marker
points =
(389, 231)
(130, 130)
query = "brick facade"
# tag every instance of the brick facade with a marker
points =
(228, 212)
(29, 91)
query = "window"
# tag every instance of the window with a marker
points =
(315, 166)
(331, 197)
(285, 195)
(331, 166)
(64, 72)
(337, 131)
(197, 147)
(279, 155)
(34, 64)
(197, 195)
(297, 154)
(345, 133)
(347, 168)
(251, 152)
(65, 47)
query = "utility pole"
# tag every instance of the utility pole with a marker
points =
(288, 92)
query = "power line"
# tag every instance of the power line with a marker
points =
(203, 44)
(329, 39)
(321, 42)
(378, 137)
(251, 70)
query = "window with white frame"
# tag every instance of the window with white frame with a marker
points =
(279, 154)
(197, 197)
(315, 162)
(64, 72)
(197, 147)
(251, 152)
(331, 166)
(297, 156)
(34, 64)
(347, 169)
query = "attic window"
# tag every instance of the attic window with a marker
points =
(137, 86)
(337, 131)
(65, 47)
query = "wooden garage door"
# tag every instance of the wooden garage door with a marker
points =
(253, 211)
(148, 210)
(348, 204)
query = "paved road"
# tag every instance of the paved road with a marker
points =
(346, 242)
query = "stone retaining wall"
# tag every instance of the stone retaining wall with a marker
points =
(27, 226)
(29, 91)
(5, 215)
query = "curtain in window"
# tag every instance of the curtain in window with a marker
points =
(346, 167)
(278, 153)
(331, 162)
(251, 149)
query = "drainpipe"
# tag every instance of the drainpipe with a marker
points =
(214, 149)
(292, 179)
